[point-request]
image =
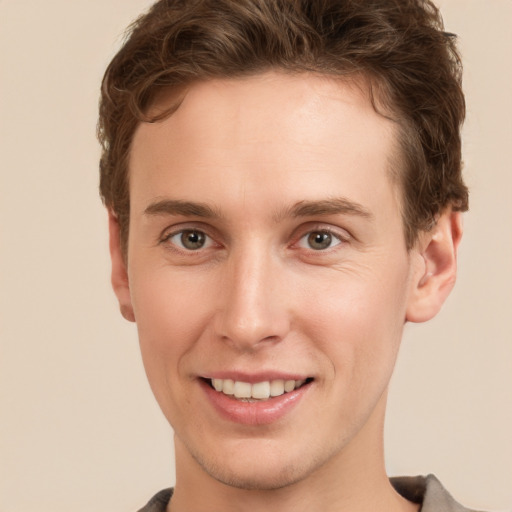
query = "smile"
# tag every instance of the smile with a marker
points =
(264, 390)
(258, 402)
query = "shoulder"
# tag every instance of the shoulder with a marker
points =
(428, 491)
(158, 503)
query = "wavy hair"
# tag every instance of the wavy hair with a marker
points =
(411, 65)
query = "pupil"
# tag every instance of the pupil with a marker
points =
(192, 239)
(319, 241)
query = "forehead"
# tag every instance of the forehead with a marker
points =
(307, 134)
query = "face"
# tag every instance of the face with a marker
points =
(268, 274)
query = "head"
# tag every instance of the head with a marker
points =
(398, 49)
(282, 179)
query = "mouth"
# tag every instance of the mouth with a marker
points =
(257, 391)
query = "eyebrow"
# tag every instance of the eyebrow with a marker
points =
(332, 206)
(177, 207)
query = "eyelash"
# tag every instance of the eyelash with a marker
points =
(336, 240)
(335, 237)
(167, 239)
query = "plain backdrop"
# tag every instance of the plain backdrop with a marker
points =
(79, 429)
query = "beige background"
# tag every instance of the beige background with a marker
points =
(79, 429)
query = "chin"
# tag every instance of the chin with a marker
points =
(262, 472)
(255, 479)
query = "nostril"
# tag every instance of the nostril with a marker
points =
(271, 339)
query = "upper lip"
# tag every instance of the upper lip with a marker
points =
(252, 378)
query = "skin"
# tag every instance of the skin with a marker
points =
(257, 296)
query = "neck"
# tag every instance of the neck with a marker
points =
(353, 480)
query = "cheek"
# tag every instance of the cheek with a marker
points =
(357, 321)
(171, 316)
(169, 307)
(358, 301)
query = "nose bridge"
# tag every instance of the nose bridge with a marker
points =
(252, 311)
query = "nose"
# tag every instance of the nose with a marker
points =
(253, 302)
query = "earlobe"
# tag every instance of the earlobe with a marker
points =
(436, 272)
(120, 281)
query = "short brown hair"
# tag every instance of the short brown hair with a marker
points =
(399, 46)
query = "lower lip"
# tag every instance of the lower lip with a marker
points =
(262, 412)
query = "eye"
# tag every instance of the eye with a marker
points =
(189, 239)
(319, 240)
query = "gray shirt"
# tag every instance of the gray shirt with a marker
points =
(419, 489)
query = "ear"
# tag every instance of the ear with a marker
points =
(120, 281)
(434, 277)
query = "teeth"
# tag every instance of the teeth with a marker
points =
(228, 387)
(261, 390)
(258, 391)
(242, 389)
(289, 385)
(217, 384)
(276, 387)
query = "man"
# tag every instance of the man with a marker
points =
(283, 181)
